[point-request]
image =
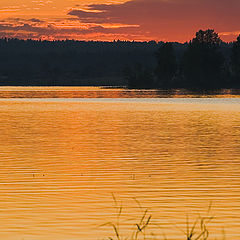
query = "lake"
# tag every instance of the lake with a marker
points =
(65, 151)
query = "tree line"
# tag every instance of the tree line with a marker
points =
(70, 62)
(205, 62)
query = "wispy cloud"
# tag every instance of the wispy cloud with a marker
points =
(10, 9)
(38, 29)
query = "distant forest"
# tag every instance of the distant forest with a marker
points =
(205, 62)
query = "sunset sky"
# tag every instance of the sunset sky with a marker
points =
(140, 20)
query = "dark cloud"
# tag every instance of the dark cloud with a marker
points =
(174, 19)
(22, 20)
(36, 20)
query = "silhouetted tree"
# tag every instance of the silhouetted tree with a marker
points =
(203, 61)
(208, 37)
(235, 61)
(166, 65)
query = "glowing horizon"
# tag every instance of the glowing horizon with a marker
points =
(140, 20)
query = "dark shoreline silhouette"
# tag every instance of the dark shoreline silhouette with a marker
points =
(205, 63)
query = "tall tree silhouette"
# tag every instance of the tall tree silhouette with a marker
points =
(203, 61)
(166, 65)
(235, 61)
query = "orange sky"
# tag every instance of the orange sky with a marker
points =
(166, 20)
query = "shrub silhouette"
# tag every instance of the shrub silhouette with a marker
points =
(139, 76)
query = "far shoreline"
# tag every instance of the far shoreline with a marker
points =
(10, 92)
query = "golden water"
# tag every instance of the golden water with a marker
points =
(61, 160)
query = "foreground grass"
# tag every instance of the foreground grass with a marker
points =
(141, 230)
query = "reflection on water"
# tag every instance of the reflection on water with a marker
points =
(62, 159)
(97, 92)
